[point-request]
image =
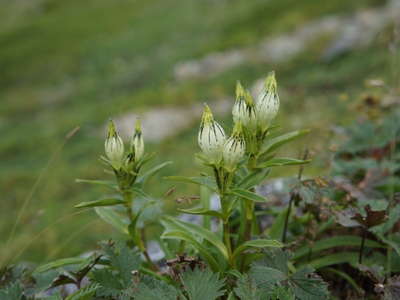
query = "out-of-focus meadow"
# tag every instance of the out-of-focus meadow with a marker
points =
(77, 63)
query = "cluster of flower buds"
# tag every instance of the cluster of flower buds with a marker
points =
(214, 144)
(249, 117)
(114, 148)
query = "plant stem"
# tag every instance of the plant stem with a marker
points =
(127, 195)
(299, 175)
(249, 210)
(153, 266)
(287, 219)
(227, 237)
(360, 257)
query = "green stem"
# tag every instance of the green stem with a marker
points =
(285, 226)
(127, 195)
(360, 256)
(227, 237)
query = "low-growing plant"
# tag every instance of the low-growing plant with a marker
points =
(344, 226)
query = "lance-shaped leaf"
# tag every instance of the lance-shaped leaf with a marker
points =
(278, 141)
(60, 263)
(192, 229)
(335, 241)
(112, 218)
(282, 161)
(110, 184)
(334, 259)
(100, 202)
(260, 244)
(148, 174)
(202, 211)
(248, 195)
(253, 179)
(202, 180)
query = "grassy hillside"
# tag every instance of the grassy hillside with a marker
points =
(76, 63)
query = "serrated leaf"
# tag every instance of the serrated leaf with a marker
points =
(260, 243)
(247, 289)
(266, 276)
(202, 180)
(335, 241)
(248, 195)
(282, 161)
(12, 292)
(101, 202)
(111, 217)
(125, 260)
(110, 285)
(202, 284)
(278, 141)
(201, 211)
(152, 289)
(85, 293)
(60, 263)
(308, 285)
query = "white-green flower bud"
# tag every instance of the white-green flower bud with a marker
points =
(211, 137)
(244, 109)
(137, 142)
(267, 105)
(114, 146)
(234, 148)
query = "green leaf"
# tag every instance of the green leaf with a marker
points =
(278, 141)
(199, 231)
(247, 289)
(139, 191)
(13, 291)
(335, 241)
(110, 184)
(101, 202)
(260, 243)
(334, 259)
(308, 285)
(282, 161)
(266, 277)
(85, 293)
(202, 284)
(202, 180)
(110, 285)
(124, 260)
(276, 229)
(253, 179)
(112, 218)
(204, 252)
(248, 195)
(152, 289)
(202, 211)
(60, 263)
(147, 175)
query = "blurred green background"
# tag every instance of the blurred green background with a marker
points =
(77, 63)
